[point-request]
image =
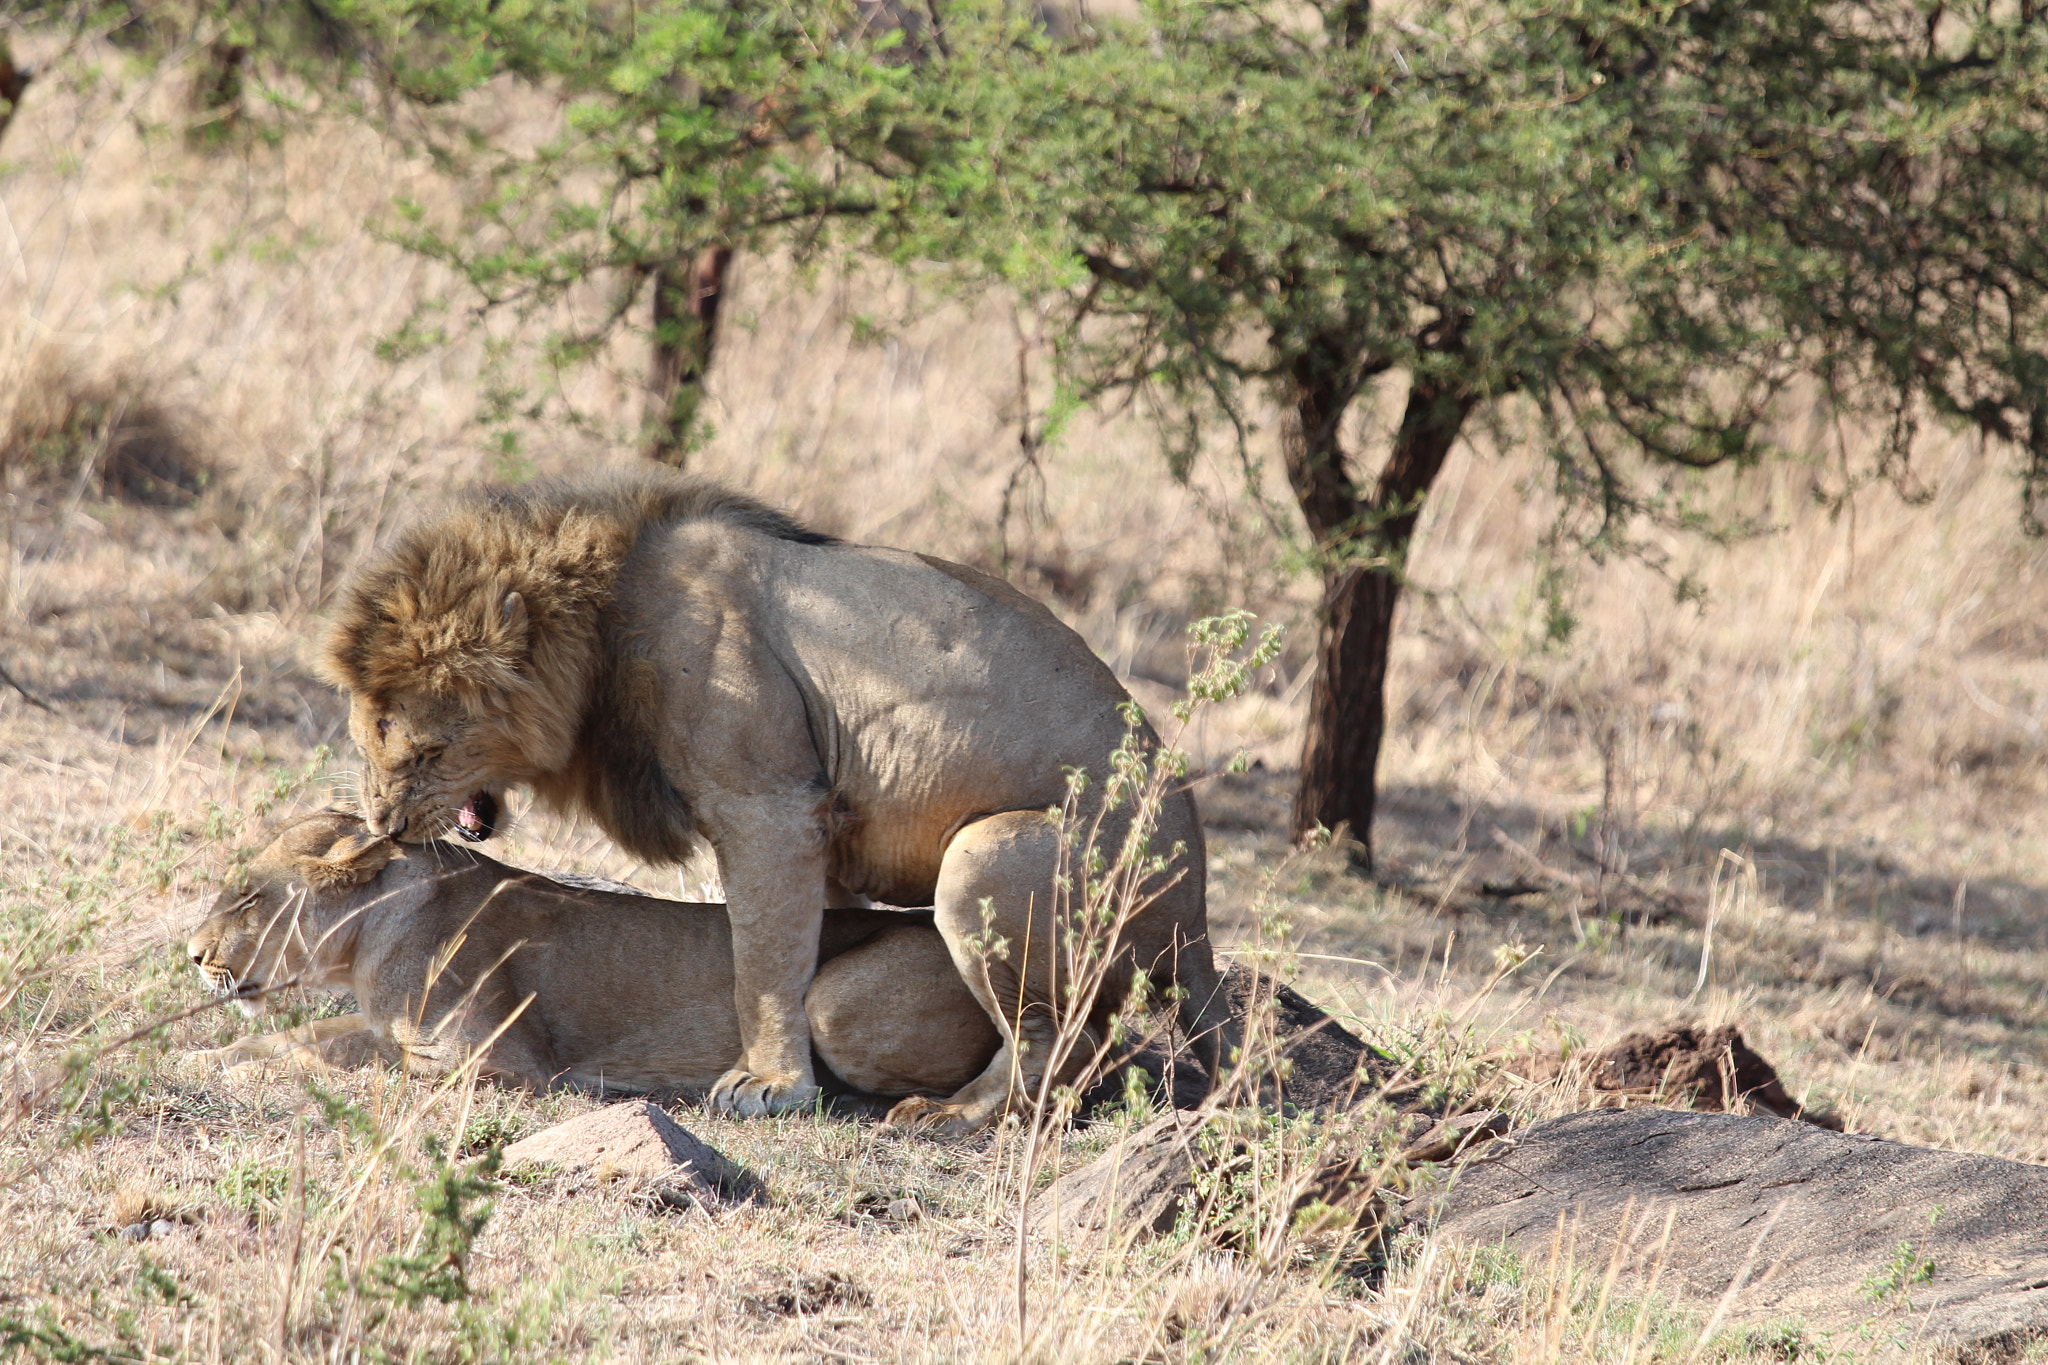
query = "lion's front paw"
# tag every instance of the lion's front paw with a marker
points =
(747, 1095)
(934, 1118)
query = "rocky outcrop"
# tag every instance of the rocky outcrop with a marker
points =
(1919, 1251)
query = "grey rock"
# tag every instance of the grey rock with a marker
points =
(1145, 1182)
(135, 1232)
(1918, 1252)
(162, 1227)
(635, 1142)
(1322, 1064)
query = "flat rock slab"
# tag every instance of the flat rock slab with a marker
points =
(1812, 1222)
(1142, 1185)
(1326, 1066)
(635, 1141)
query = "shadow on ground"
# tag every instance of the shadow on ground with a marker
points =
(1503, 859)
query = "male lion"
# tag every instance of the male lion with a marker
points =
(674, 660)
(451, 954)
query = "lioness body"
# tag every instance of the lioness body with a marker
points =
(450, 954)
(675, 662)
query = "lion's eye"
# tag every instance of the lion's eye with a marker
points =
(383, 726)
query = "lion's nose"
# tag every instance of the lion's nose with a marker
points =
(377, 818)
(198, 959)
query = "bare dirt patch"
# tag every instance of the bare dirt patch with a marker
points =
(1684, 1066)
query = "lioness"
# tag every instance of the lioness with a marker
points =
(450, 953)
(674, 660)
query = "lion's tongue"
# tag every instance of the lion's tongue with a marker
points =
(469, 819)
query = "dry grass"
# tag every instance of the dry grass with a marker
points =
(1855, 718)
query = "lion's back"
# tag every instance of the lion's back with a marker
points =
(937, 664)
(933, 693)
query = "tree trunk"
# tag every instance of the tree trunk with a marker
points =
(1347, 715)
(217, 93)
(685, 331)
(1366, 542)
(13, 85)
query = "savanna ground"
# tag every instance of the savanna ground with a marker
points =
(1807, 807)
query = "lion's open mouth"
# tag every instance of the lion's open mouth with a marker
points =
(478, 818)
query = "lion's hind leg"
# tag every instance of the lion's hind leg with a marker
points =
(1004, 863)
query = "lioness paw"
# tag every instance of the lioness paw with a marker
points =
(252, 1052)
(742, 1093)
(934, 1118)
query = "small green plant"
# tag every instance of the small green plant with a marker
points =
(490, 1132)
(44, 1339)
(437, 1265)
(1908, 1267)
(1269, 1182)
(253, 1186)
(156, 1280)
(452, 1194)
(1786, 1341)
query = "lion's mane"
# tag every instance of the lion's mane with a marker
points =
(430, 615)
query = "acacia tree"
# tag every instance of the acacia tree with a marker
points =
(1634, 223)
(674, 150)
(693, 129)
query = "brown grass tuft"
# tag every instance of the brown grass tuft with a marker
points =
(107, 433)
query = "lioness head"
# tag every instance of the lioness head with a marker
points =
(269, 931)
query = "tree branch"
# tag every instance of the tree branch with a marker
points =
(1129, 277)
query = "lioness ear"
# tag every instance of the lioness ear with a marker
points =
(353, 860)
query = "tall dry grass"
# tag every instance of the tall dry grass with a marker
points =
(1872, 676)
(1854, 715)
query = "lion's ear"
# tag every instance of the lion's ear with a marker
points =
(497, 659)
(496, 663)
(353, 860)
